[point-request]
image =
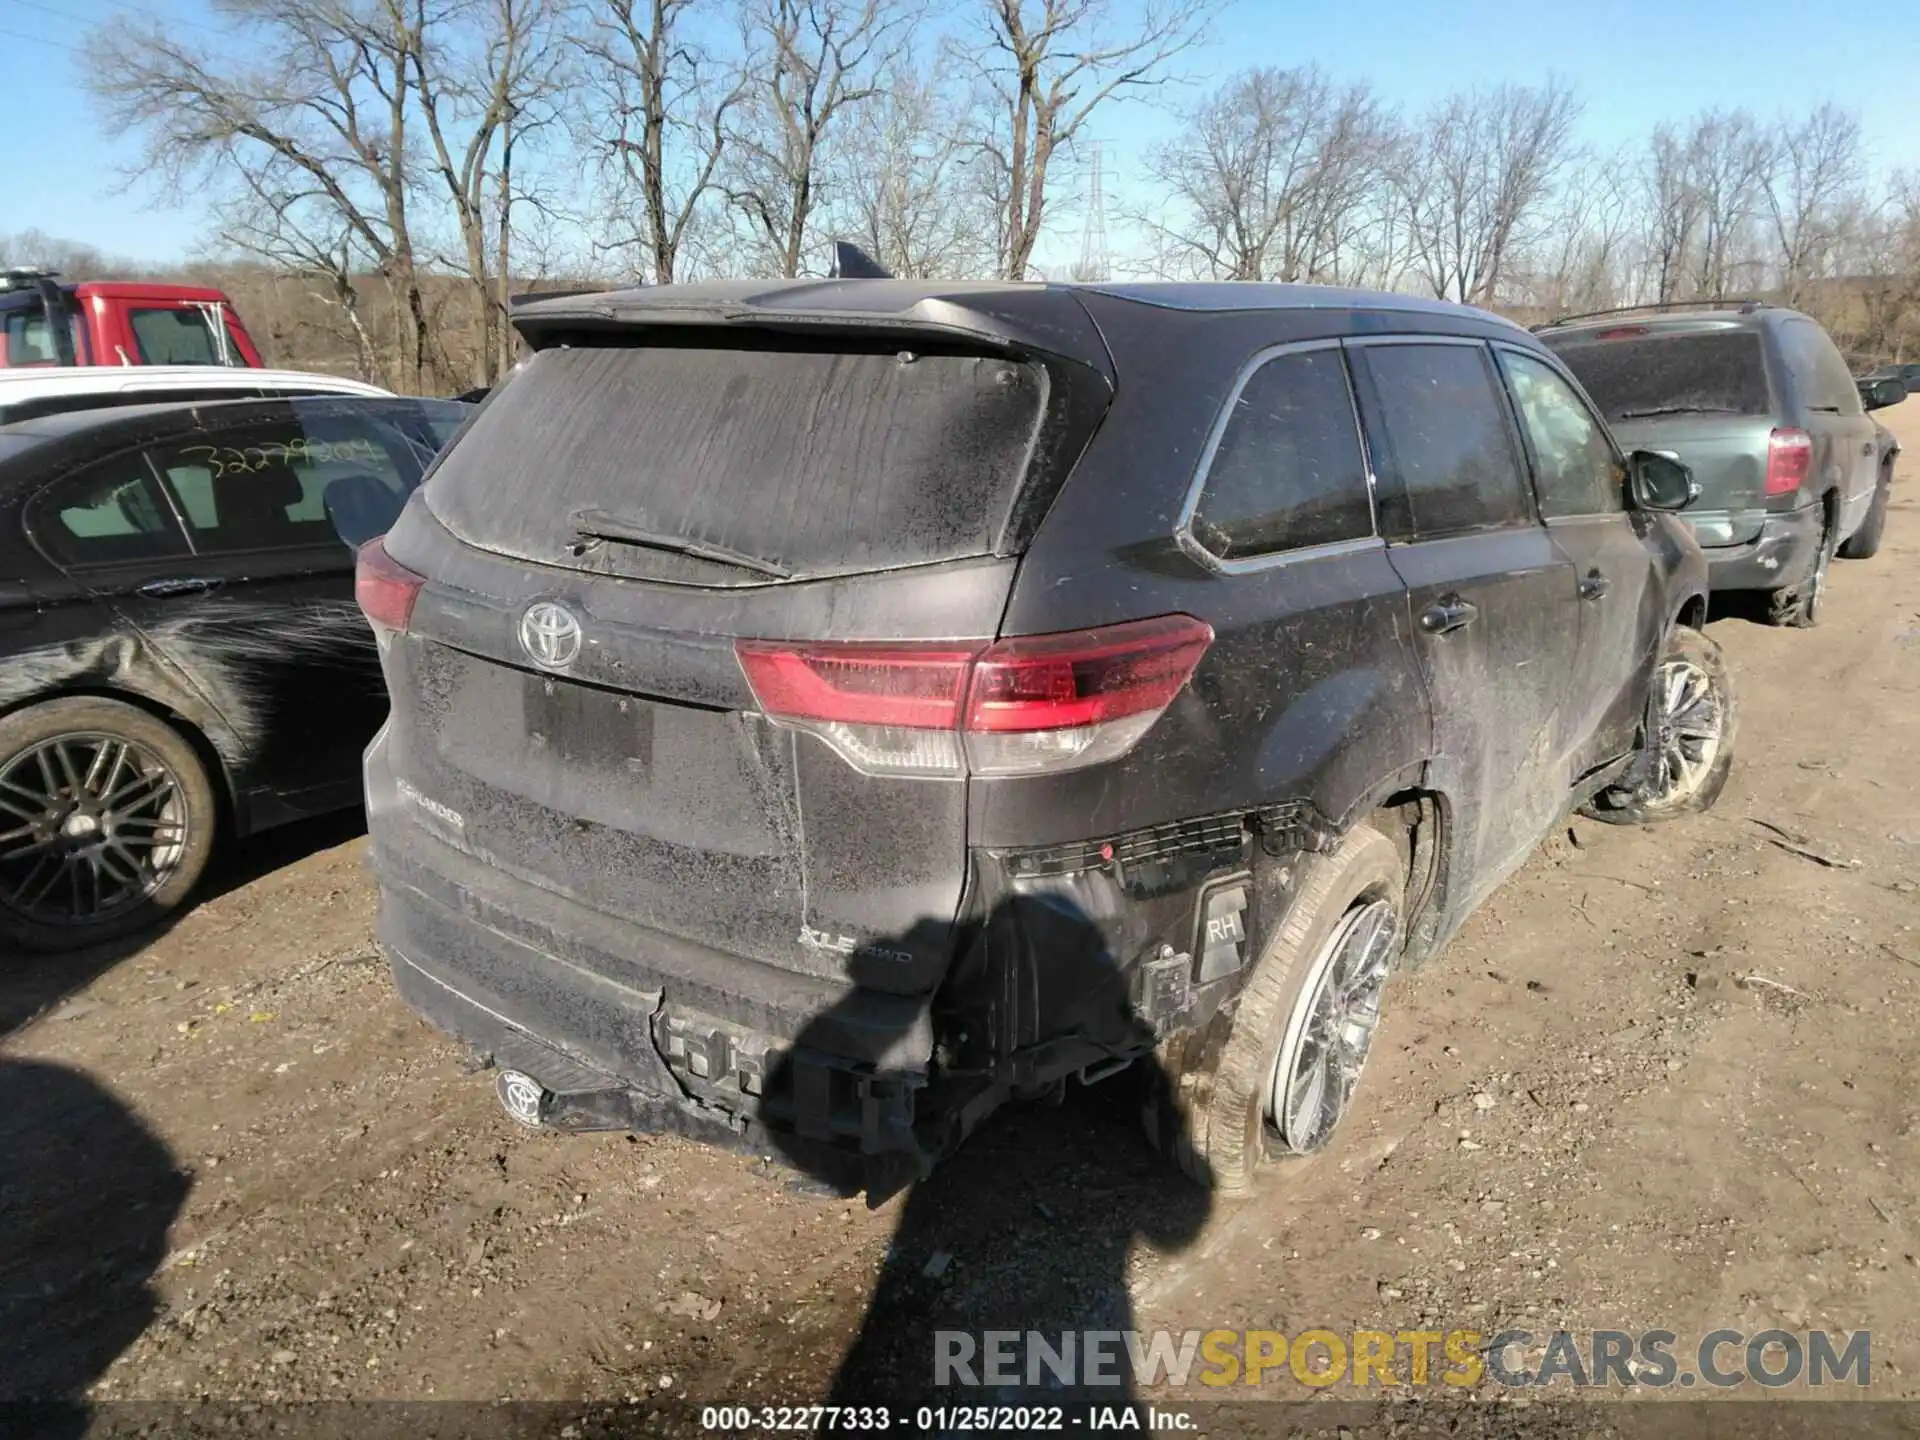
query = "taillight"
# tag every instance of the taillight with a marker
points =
(1789, 457)
(384, 588)
(1032, 704)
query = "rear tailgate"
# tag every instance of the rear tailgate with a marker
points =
(1728, 457)
(826, 491)
(1697, 389)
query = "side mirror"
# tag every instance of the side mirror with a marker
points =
(1881, 391)
(1658, 481)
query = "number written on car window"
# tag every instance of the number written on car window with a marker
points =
(222, 460)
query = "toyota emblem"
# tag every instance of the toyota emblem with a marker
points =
(523, 1097)
(550, 634)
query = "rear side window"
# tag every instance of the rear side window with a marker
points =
(1819, 373)
(741, 466)
(111, 514)
(1288, 471)
(1442, 447)
(1644, 374)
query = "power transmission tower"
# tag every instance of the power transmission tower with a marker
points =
(1095, 263)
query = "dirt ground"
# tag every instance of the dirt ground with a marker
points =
(1664, 1079)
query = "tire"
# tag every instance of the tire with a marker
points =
(1662, 790)
(1864, 543)
(108, 870)
(1211, 1112)
(1801, 604)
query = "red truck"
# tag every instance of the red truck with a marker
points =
(113, 322)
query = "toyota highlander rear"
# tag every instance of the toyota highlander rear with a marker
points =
(692, 638)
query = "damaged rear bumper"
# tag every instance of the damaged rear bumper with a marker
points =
(626, 1027)
(632, 1029)
(1779, 555)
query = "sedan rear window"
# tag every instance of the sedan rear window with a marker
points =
(743, 466)
(1646, 375)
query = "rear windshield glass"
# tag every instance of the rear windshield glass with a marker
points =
(723, 466)
(1642, 377)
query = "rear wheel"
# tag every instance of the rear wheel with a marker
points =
(1273, 1077)
(1688, 749)
(1864, 543)
(1800, 604)
(106, 822)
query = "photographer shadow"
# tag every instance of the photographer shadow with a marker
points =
(87, 1196)
(1031, 1228)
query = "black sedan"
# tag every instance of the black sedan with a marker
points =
(180, 653)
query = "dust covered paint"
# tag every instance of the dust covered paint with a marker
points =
(809, 910)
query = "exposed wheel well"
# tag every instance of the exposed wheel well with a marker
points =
(1693, 614)
(1415, 821)
(217, 778)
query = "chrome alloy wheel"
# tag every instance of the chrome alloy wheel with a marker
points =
(1689, 720)
(1331, 1028)
(90, 825)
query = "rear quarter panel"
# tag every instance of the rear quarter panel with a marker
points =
(1311, 690)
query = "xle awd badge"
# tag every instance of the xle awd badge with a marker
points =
(550, 635)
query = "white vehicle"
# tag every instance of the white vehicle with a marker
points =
(26, 394)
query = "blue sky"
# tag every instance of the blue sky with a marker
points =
(1634, 62)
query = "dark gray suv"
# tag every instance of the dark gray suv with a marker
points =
(1758, 402)
(823, 711)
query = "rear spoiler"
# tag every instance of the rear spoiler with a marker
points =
(1025, 320)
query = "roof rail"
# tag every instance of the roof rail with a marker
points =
(1746, 305)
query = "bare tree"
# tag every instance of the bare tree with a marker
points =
(483, 88)
(1882, 255)
(907, 184)
(1671, 209)
(1268, 174)
(68, 258)
(1727, 157)
(1050, 66)
(1581, 259)
(295, 236)
(1489, 160)
(1810, 188)
(667, 103)
(820, 60)
(320, 120)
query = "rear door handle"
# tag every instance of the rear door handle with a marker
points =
(185, 585)
(1447, 614)
(1593, 585)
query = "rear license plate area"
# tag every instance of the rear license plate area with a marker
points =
(579, 725)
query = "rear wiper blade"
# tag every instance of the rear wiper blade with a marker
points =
(598, 525)
(1648, 414)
